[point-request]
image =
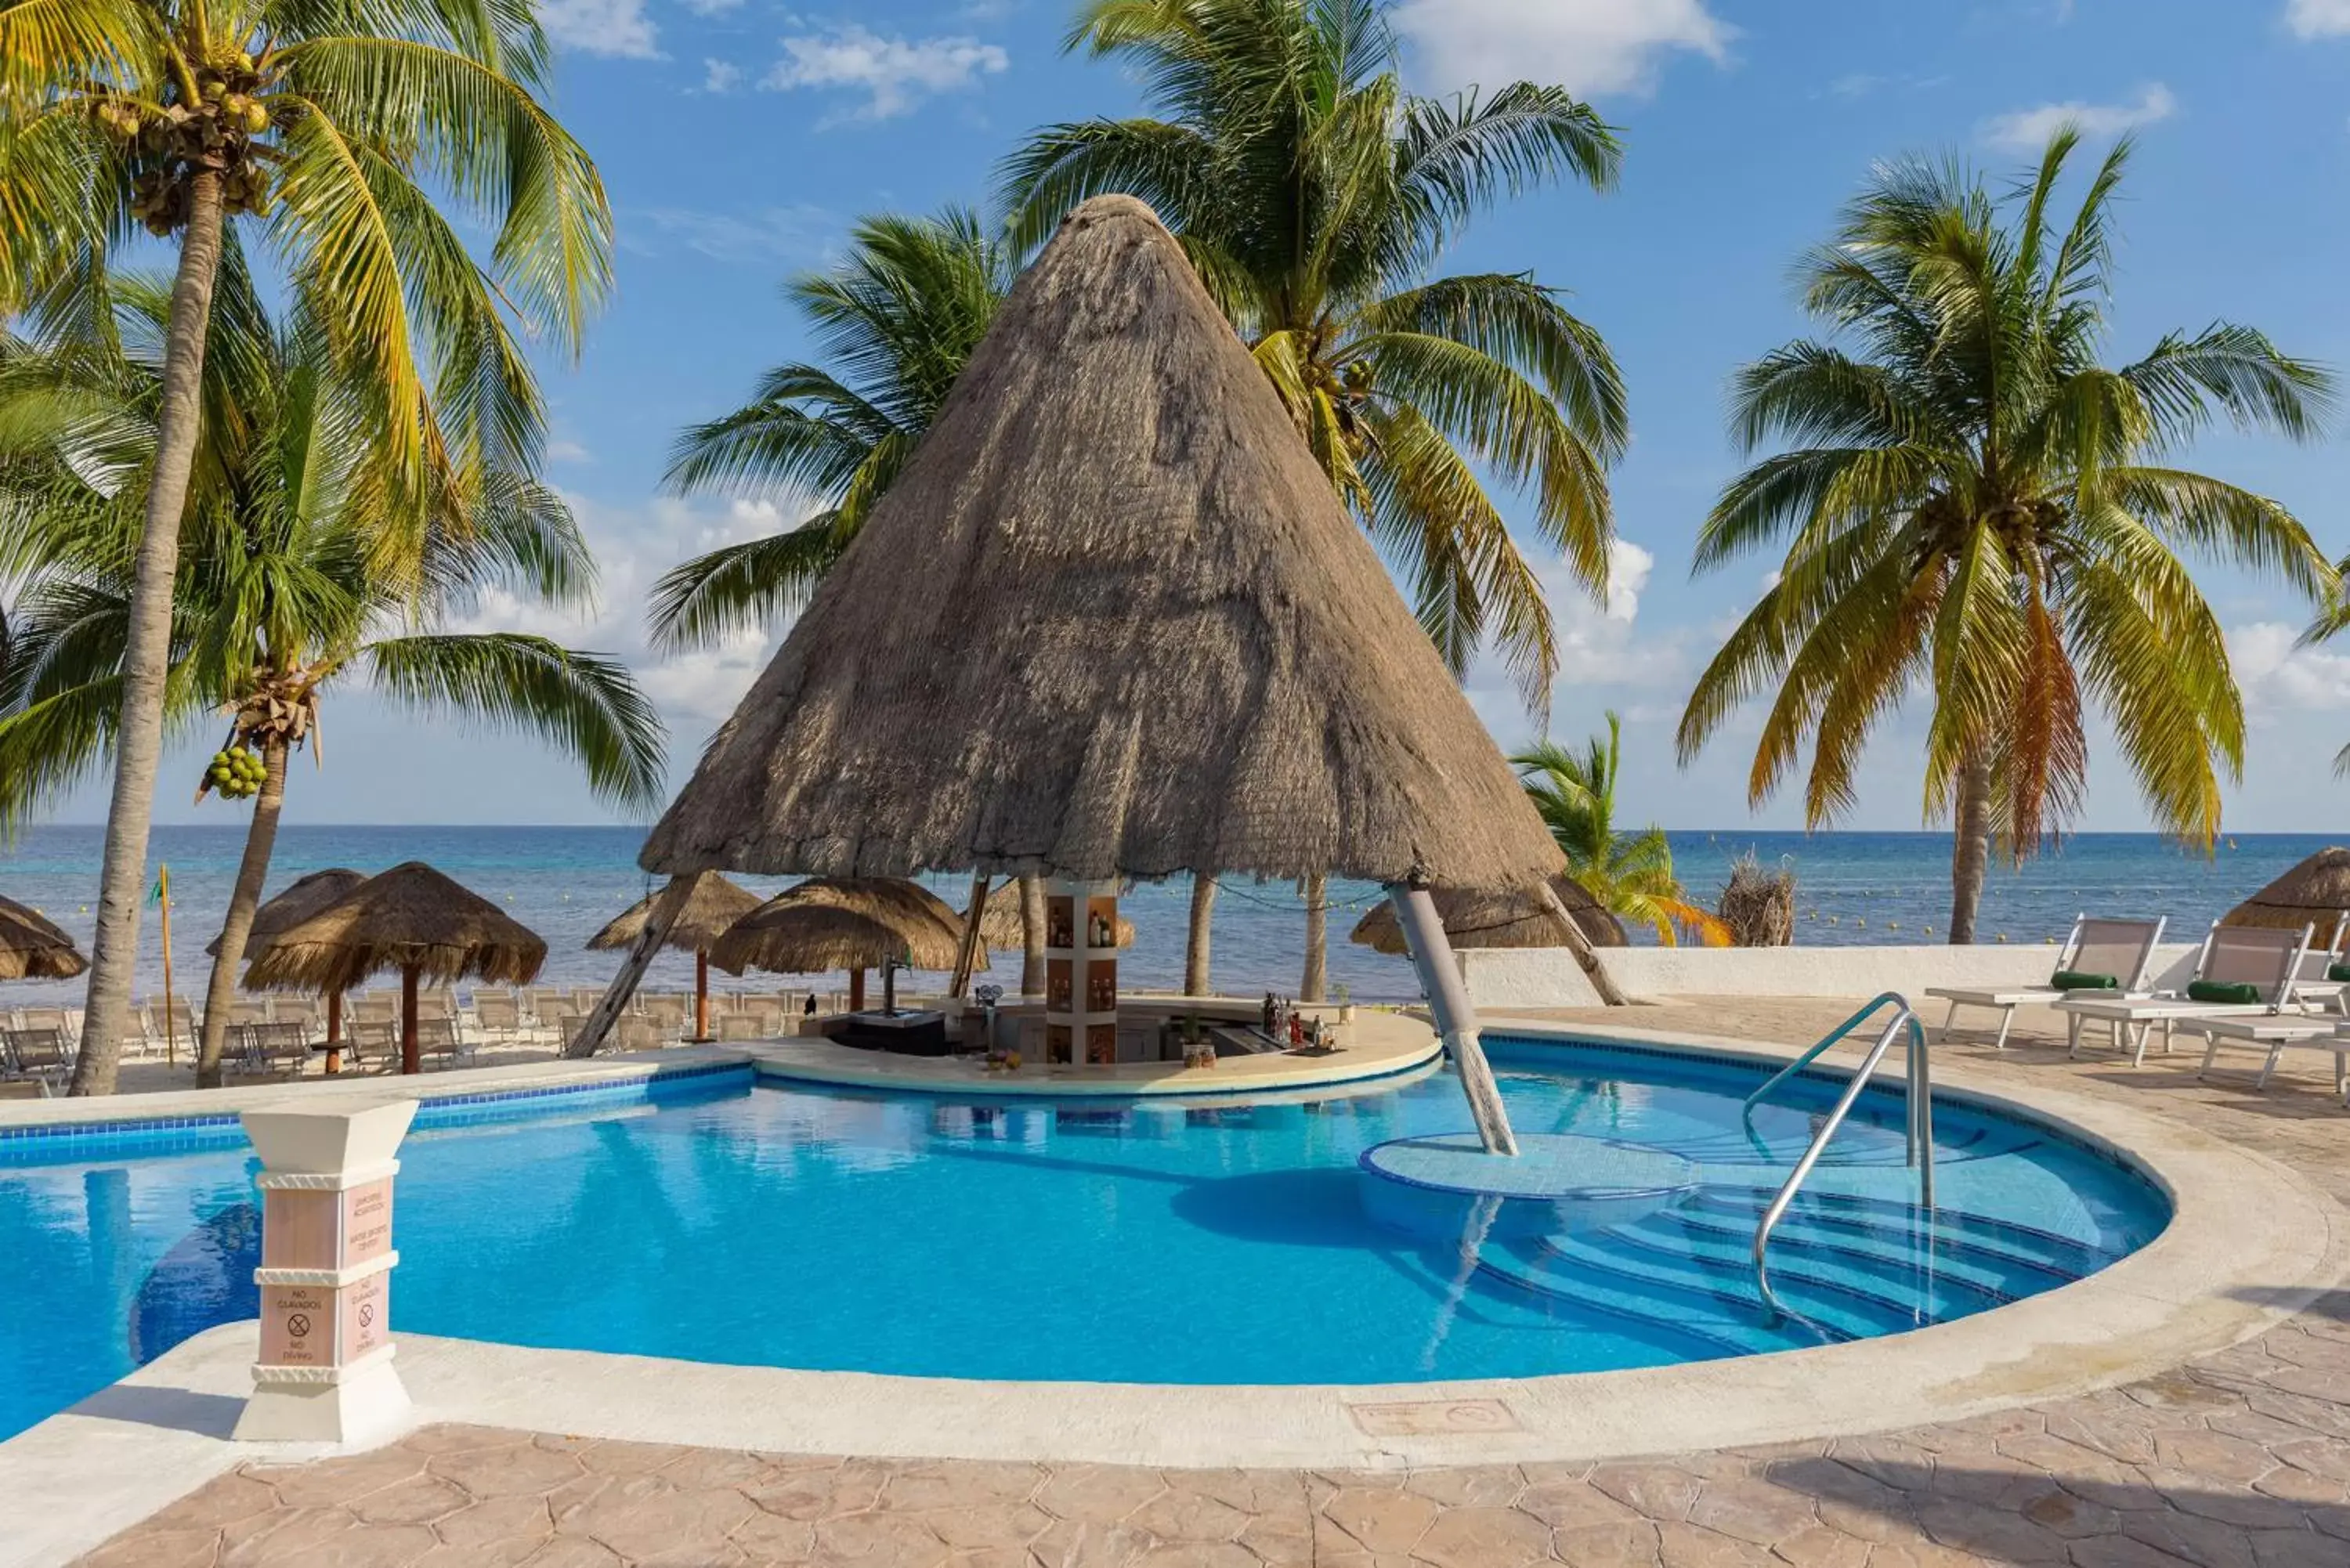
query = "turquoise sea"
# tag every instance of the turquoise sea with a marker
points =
(565, 882)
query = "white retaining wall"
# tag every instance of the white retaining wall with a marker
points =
(1549, 977)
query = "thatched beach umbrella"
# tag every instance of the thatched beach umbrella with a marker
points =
(1111, 620)
(34, 947)
(412, 918)
(712, 905)
(845, 923)
(2315, 892)
(1502, 918)
(303, 897)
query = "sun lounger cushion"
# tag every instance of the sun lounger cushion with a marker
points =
(2073, 979)
(2338, 971)
(2230, 992)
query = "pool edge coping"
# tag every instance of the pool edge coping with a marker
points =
(2242, 1223)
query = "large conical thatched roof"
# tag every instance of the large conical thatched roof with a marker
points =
(410, 914)
(829, 923)
(2316, 892)
(34, 947)
(1509, 918)
(1111, 618)
(712, 905)
(999, 921)
(303, 897)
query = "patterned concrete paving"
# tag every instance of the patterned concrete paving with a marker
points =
(2238, 1460)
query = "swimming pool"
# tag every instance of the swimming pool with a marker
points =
(718, 1218)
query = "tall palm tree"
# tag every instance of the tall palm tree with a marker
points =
(279, 595)
(1629, 872)
(335, 129)
(1313, 195)
(1976, 510)
(895, 319)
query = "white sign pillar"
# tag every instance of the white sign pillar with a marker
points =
(324, 1373)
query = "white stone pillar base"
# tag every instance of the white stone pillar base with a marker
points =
(326, 1405)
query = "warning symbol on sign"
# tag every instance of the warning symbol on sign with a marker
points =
(298, 1325)
(367, 1315)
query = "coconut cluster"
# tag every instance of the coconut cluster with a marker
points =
(215, 132)
(235, 771)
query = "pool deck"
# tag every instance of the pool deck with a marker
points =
(2190, 1406)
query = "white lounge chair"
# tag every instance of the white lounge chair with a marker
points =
(2277, 1036)
(2118, 949)
(2262, 964)
(2317, 987)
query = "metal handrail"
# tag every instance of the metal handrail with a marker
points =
(1830, 1038)
(1920, 1091)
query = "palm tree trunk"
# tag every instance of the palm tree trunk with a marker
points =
(147, 648)
(1971, 850)
(1317, 939)
(259, 842)
(1195, 946)
(1032, 935)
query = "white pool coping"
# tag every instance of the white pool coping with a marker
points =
(2251, 1243)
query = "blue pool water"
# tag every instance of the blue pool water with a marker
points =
(718, 1221)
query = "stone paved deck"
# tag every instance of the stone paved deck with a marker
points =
(2238, 1460)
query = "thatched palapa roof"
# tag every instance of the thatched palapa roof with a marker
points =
(34, 947)
(1111, 620)
(999, 922)
(303, 897)
(712, 904)
(1505, 917)
(409, 915)
(829, 923)
(2316, 892)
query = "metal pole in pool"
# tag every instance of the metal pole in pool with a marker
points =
(1456, 1020)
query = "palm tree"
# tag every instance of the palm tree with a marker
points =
(339, 126)
(1313, 194)
(1975, 509)
(897, 320)
(1198, 933)
(1631, 874)
(280, 593)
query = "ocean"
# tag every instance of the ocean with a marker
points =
(565, 882)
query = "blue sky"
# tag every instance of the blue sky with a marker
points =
(740, 140)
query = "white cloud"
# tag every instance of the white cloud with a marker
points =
(2028, 130)
(894, 73)
(767, 237)
(2318, 18)
(601, 27)
(720, 75)
(2279, 679)
(1629, 567)
(1588, 46)
(695, 691)
(560, 451)
(712, 7)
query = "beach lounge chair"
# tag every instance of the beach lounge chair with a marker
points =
(2242, 972)
(371, 1039)
(269, 1046)
(39, 1055)
(639, 1034)
(2318, 986)
(437, 1040)
(750, 1025)
(2276, 1036)
(2103, 956)
(497, 1013)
